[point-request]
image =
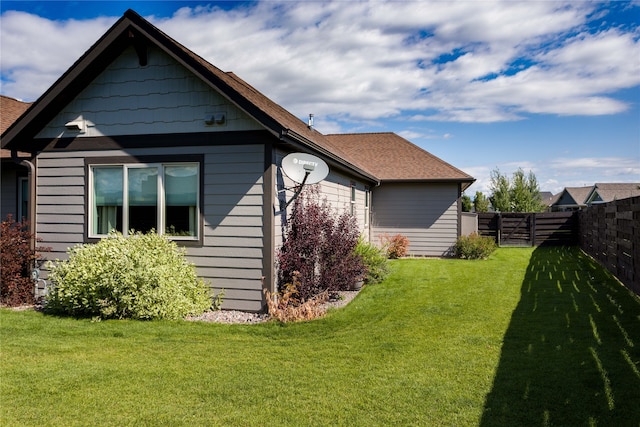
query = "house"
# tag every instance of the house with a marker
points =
(608, 192)
(547, 198)
(571, 199)
(418, 193)
(576, 198)
(141, 133)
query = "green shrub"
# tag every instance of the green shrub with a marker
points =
(375, 260)
(143, 276)
(474, 246)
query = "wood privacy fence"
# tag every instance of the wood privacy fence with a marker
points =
(610, 233)
(530, 229)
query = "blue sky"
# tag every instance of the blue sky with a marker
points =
(548, 86)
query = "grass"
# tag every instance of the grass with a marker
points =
(528, 337)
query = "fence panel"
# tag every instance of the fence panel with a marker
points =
(529, 229)
(609, 233)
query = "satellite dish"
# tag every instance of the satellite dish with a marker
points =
(304, 168)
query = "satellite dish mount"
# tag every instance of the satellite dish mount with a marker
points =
(303, 168)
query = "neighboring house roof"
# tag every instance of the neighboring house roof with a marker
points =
(389, 157)
(573, 196)
(10, 110)
(547, 197)
(598, 193)
(384, 156)
(608, 192)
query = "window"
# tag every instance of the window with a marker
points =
(353, 198)
(144, 197)
(367, 195)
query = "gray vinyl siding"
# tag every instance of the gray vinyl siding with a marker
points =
(427, 214)
(336, 189)
(160, 98)
(232, 251)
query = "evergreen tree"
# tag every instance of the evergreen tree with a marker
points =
(500, 195)
(480, 202)
(521, 194)
(466, 203)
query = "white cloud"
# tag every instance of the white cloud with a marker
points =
(554, 175)
(37, 51)
(609, 166)
(361, 61)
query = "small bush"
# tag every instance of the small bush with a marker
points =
(287, 307)
(143, 276)
(397, 246)
(319, 248)
(474, 246)
(375, 261)
(17, 259)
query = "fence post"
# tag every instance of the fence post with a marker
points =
(532, 229)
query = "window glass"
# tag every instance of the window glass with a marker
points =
(161, 197)
(107, 199)
(353, 198)
(142, 186)
(181, 200)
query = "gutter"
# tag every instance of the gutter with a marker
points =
(31, 179)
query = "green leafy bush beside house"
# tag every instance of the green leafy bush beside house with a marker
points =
(142, 276)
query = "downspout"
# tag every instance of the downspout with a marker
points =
(31, 179)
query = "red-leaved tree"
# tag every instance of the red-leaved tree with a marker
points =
(17, 258)
(319, 248)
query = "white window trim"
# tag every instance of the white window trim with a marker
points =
(160, 220)
(367, 204)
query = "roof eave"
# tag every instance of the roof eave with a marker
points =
(291, 136)
(429, 180)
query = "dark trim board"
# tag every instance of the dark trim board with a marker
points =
(268, 246)
(119, 142)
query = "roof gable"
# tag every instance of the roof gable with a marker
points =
(389, 157)
(573, 196)
(608, 192)
(133, 30)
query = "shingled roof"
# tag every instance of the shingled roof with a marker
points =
(609, 192)
(578, 194)
(389, 157)
(10, 110)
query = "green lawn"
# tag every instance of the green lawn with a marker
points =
(528, 337)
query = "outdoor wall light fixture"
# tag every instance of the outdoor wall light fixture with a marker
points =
(77, 125)
(217, 119)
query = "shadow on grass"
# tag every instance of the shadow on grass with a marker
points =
(571, 354)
